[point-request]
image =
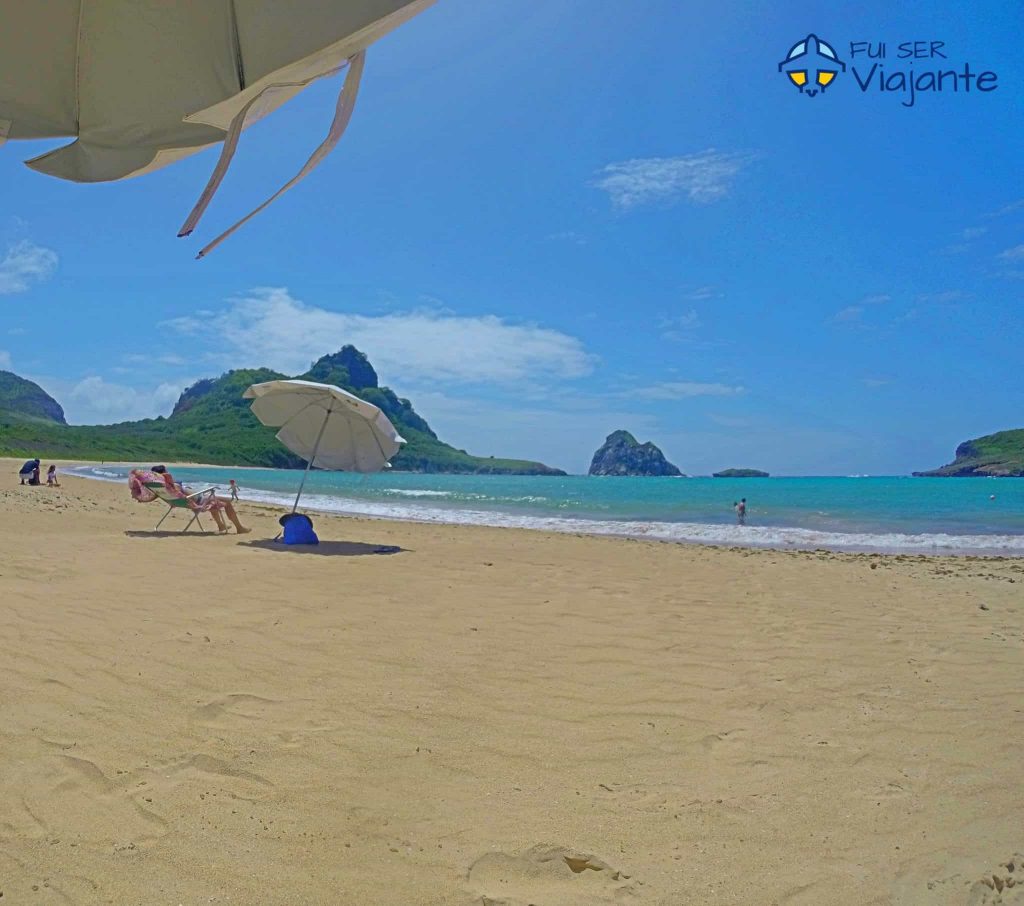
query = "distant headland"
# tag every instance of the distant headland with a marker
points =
(999, 455)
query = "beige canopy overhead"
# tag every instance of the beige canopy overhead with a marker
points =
(143, 83)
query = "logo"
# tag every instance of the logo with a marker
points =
(812, 65)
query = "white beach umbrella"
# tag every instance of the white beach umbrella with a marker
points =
(142, 83)
(326, 426)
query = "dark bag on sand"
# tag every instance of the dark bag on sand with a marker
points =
(298, 529)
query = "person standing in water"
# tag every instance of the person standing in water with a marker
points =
(741, 511)
(234, 489)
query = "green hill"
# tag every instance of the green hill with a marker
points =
(19, 397)
(1000, 454)
(212, 423)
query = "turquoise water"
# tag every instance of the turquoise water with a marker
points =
(905, 514)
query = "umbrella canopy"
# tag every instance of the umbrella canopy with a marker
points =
(326, 426)
(143, 83)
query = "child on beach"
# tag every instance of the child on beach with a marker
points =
(51, 477)
(234, 489)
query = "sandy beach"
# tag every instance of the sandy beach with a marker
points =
(495, 717)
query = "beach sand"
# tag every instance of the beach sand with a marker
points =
(495, 716)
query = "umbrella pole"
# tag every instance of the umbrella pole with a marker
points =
(309, 463)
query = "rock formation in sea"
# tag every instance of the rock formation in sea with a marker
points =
(622, 454)
(740, 473)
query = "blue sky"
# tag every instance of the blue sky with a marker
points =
(551, 220)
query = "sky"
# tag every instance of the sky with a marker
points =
(548, 221)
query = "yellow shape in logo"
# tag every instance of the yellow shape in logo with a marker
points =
(824, 77)
(798, 77)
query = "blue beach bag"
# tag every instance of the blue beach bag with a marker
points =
(298, 529)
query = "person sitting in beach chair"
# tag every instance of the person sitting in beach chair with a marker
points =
(158, 484)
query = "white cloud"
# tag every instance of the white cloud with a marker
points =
(850, 313)
(701, 178)
(17, 331)
(1013, 254)
(943, 298)
(973, 232)
(703, 293)
(568, 236)
(95, 401)
(876, 299)
(5, 360)
(24, 264)
(681, 326)
(678, 390)
(135, 358)
(875, 382)
(730, 421)
(271, 328)
(1008, 209)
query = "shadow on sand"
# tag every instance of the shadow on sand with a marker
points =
(326, 548)
(192, 533)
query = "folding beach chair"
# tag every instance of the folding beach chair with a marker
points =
(147, 486)
(197, 503)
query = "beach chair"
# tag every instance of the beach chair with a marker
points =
(196, 503)
(147, 486)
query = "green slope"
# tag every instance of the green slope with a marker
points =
(212, 423)
(19, 397)
(1000, 454)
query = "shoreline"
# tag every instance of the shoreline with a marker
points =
(758, 537)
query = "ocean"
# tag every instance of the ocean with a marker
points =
(895, 514)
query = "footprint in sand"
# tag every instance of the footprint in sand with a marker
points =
(546, 876)
(71, 798)
(1003, 887)
(242, 713)
(236, 711)
(960, 886)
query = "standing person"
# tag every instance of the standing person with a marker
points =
(234, 489)
(741, 511)
(51, 477)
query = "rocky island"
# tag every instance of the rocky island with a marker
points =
(999, 455)
(622, 454)
(740, 473)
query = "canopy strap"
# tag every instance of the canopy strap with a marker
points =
(342, 114)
